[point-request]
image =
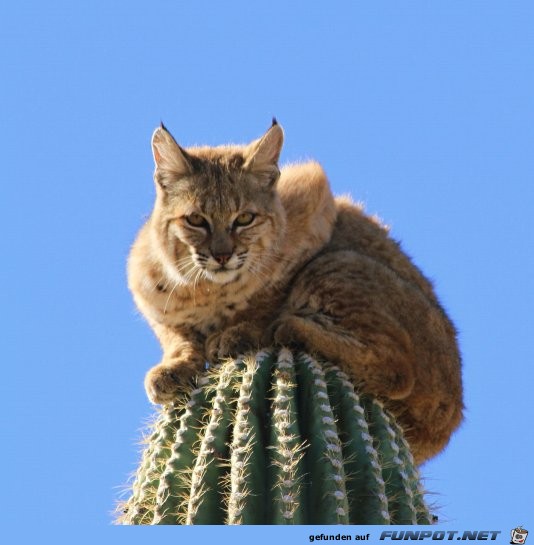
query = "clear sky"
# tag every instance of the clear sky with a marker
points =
(424, 110)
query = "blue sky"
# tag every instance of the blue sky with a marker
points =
(424, 110)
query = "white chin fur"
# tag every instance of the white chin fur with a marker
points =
(221, 277)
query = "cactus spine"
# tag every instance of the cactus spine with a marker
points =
(275, 438)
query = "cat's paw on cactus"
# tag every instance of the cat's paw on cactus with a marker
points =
(165, 381)
(232, 342)
(286, 332)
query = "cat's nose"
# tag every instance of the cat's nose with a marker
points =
(222, 257)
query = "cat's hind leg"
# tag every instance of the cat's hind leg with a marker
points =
(386, 376)
(340, 309)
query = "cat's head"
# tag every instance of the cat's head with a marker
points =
(217, 215)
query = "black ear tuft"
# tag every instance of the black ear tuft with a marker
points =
(274, 122)
(163, 126)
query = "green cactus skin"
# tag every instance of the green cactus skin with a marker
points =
(275, 438)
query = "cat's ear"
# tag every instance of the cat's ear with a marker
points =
(263, 154)
(170, 159)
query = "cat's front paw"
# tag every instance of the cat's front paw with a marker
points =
(164, 382)
(284, 332)
(231, 342)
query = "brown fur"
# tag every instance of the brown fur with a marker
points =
(361, 303)
(306, 271)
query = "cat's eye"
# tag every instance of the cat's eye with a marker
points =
(196, 220)
(245, 218)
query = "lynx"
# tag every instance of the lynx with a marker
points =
(239, 254)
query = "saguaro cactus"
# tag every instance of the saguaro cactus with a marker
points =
(275, 438)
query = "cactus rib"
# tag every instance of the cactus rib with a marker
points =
(139, 509)
(365, 483)
(206, 498)
(248, 459)
(328, 495)
(398, 487)
(172, 489)
(288, 501)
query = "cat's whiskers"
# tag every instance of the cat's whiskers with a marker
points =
(264, 267)
(181, 264)
(187, 262)
(267, 259)
(169, 297)
(274, 255)
(183, 261)
(164, 281)
(162, 284)
(201, 273)
(189, 275)
(261, 271)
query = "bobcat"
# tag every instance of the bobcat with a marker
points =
(238, 254)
